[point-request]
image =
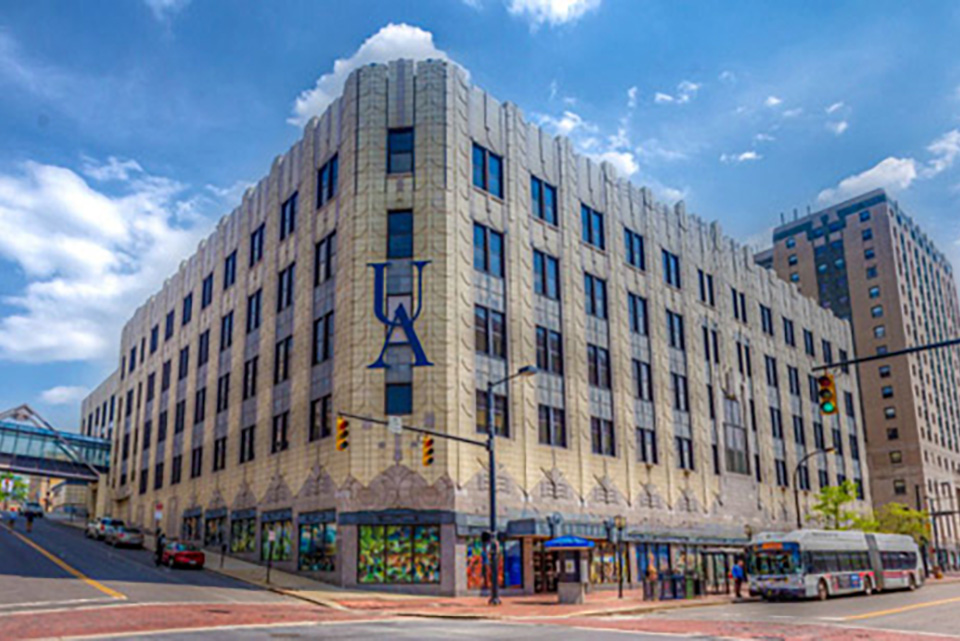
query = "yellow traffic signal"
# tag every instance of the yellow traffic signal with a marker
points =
(343, 434)
(427, 445)
(827, 394)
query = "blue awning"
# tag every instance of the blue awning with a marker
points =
(568, 543)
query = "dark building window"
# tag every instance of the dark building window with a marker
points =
(705, 282)
(671, 269)
(543, 200)
(285, 286)
(323, 338)
(256, 244)
(226, 331)
(187, 310)
(206, 291)
(684, 453)
(223, 392)
(158, 475)
(675, 333)
(154, 338)
(681, 392)
(552, 426)
(487, 171)
(281, 361)
(808, 344)
(219, 453)
(278, 441)
(491, 332)
(549, 351)
(546, 275)
(321, 414)
(200, 406)
(400, 234)
(288, 216)
(254, 302)
(596, 296)
(487, 250)
(602, 437)
(250, 378)
(501, 422)
(400, 151)
(639, 321)
(203, 349)
(592, 229)
(230, 270)
(176, 468)
(643, 380)
(165, 376)
(789, 336)
(183, 364)
(647, 445)
(634, 247)
(598, 366)
(327, 182)
(323, 261)
(771, 364)
(196, 462)
(398, 399)
(168, 329)
(247, 443)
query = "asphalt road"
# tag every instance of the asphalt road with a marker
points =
(97, 574)
(932, 609)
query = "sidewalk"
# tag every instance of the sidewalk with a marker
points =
(538, 606)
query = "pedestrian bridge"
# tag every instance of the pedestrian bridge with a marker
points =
(30, 445)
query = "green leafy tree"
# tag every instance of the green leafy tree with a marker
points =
(897, 518)
(830, 510)
(19, 491)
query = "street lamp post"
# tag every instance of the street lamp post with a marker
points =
(619, 522)
(528, 370)
(796, 488)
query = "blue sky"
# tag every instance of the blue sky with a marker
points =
(129, 128)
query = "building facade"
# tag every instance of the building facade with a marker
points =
(98, 409)
(868, 261)
(420, 240)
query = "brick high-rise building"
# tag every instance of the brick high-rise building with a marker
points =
(662, 396)
(868, 261)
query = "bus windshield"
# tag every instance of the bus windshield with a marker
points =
(765, 562)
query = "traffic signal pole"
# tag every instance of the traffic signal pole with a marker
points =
(880, 357)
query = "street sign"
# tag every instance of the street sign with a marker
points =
(395, 424)
(159, 506)
(272, 537)
(7, 485)
(158, 515)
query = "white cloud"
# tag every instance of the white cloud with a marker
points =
(653, 150)
(793, 113)
(837, 106)
(727, 76)
(686, 91)
(568, 124)
(89, 255)
(63, 394)
(392, 42)
(113, 169)
(746, 156)
(662, 98)
(894, 174)
(166, 9)
(624, 161)
(838, 127)
(551, 12)
(945, 150)
(762, 137)
(631, 97)
(772, 101)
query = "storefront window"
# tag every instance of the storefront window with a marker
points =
(281, 549)
(398, 554)
(214, 531)
(510, 571)
(318, 547)
(243, 535)
(603, 563)
(192, 528)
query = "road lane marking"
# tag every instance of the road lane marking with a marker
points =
(70, 569)
(905, 608)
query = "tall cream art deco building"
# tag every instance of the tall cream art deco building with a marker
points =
(421, 239)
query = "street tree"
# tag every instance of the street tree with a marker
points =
(830, 510)
(897, 518)
(12, 488)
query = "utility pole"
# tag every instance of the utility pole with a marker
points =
(796, 486)
(490, 445)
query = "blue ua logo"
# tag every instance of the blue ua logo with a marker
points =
(401, 318)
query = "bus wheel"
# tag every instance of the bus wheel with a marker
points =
(822, 592)
(868, 586)
(913, 583)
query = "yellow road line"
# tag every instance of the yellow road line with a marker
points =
(906, 608)
(77, 573)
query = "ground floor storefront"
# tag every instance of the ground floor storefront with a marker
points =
(442, 552)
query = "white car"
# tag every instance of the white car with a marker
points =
(101, 526)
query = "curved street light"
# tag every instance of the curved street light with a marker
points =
(796, 488)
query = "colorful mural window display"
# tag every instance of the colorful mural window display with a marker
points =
(510, 562)
(243, 536)
(398, 554)
(192, 528)
(318, 547)
(281, 549)
(214, 531)
(603, 564)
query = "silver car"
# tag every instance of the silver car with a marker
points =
(125, 535)
(101, 526)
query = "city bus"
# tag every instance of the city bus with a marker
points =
(820, 564)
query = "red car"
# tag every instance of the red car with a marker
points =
(180, 554)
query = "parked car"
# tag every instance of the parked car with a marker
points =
(125, 535)
(177, 553)
(33, 508)
(99, 527)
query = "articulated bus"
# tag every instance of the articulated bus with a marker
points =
(820, 564)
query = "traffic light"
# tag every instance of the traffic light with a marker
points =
(343, 434)
(427, 445)
(827, 394)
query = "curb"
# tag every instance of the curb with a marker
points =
(333, 605)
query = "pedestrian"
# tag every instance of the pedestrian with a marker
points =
(29, 517)
(11, 519)
(739, 575)
(160, 543)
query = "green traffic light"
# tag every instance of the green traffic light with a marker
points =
(828, 407)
